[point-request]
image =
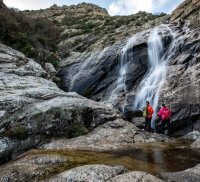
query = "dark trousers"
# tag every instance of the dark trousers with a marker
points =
(147, 124)
(164, 122)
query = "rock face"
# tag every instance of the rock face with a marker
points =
(33, 107)
(102, 68)
(192, 175)
(58, 13)
(188, 10)
(95, 75)
(181, 90)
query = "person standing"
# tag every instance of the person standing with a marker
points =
(164, 114)
(148, 113)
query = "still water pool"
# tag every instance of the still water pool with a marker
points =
(152, 158)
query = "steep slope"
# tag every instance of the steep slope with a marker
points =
(188, 10)
(35, 38)
(87, 27)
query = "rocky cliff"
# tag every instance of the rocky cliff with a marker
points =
(188, 10)
(94, 73)
(88, 28)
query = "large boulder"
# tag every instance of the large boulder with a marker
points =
(34, 108)
(192, 136)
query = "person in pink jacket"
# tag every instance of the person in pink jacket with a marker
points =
(164, 114)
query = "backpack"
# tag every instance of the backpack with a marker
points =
(144, 112)
(165, 114)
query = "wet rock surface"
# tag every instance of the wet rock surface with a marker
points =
(189, 175)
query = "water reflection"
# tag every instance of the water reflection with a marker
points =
(151, 158)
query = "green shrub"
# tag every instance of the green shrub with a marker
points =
(53, 60)
(76, 129)
(18, 131)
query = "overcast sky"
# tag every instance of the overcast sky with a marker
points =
(114, 7)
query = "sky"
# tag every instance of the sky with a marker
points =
(114, 7)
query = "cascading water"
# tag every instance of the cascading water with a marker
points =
(151, 84)
(149, 89)
(121, 81)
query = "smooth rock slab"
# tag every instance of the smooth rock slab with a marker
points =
(88, 173)
(113, 135)
(135, 176)
(188, 175)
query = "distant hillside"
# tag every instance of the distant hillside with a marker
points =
(88, 27)
(50, 34)
(36, 38)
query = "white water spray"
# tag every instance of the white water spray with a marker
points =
(121, 81)
(151, 84)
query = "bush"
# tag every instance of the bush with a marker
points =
(53, 60)
(28, 35)
(18, 131)
(76, 129)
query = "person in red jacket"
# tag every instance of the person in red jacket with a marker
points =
(148, 116)
(164, 114)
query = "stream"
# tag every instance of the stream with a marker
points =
(153, 158)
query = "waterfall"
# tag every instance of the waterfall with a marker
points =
(149, 88)
(151, 84)
(120, 85)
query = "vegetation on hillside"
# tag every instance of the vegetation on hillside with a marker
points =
(107, 29)
(36, 38)
(82, 27)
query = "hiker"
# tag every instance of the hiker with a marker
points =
(164, 114)
(148, 113)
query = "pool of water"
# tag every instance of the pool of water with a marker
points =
(152, 158)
